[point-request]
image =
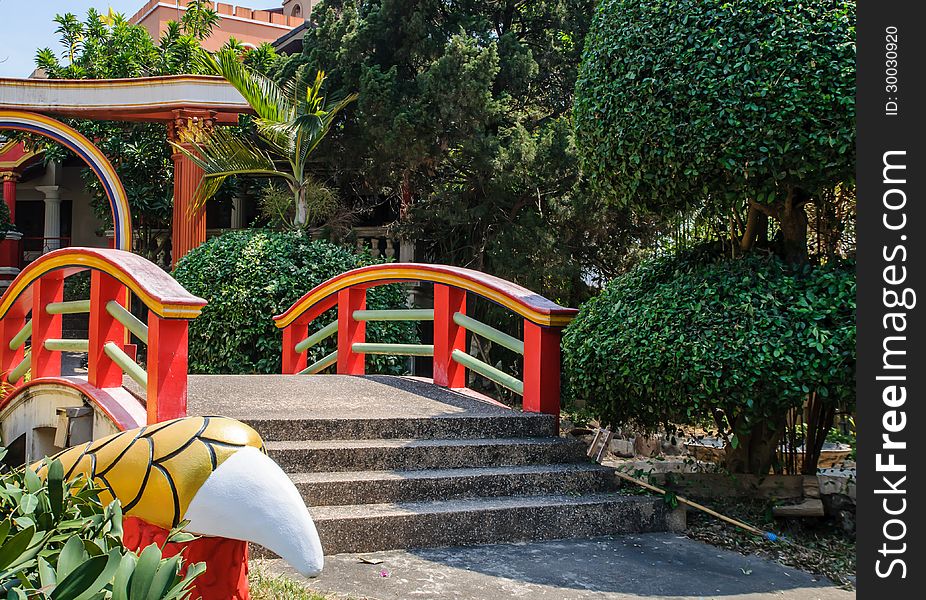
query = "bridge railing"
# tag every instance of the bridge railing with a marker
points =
(540, 348)
(33, 305)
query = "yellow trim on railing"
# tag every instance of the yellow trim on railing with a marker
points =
(164, 310)
(406, 273)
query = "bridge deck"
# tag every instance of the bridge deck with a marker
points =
(331, 397)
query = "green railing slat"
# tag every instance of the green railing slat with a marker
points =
(125, 362)
(21, 336)
(71, 307)
(489, 372)
(57, 345)
(394, 349)
(488, 332)
(325, 332)
(320, 365)
(128, 320)
(400, 314)
(19, 371)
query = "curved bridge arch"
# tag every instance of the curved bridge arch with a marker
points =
(76, 142)
(530, 305)
(155, 288)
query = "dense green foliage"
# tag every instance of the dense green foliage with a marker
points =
(249, 276)
(58, 542)
(464, 126)
(682, 105)
(695, 337)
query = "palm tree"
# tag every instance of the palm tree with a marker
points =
(292, 119)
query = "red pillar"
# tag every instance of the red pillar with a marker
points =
(10, 325)
(9, 192)
(10, 252)
(351, 332)
(189, 228)
(167, 368)
(293, 361)
(45, 290)
(448, 336)
(102, 371)
(541, 368)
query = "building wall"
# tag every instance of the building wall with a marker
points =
(299, 8)
(77, 216)
(244, 24)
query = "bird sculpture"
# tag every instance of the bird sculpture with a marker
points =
(210, 471)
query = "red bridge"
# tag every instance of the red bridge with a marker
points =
(383, 462)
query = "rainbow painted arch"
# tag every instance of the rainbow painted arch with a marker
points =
(77, 143)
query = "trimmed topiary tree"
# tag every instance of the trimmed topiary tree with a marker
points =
(687, 104)
(251, 275)
(737, 342)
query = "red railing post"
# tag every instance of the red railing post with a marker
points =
(167, 368)
(10, 325)
(47, 289)
(293, 361)
(351, 332)
(101, 370)
(448, 336)
(541, 368)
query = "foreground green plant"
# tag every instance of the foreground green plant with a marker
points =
(58, 542)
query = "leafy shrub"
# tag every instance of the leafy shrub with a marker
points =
(685, 104)
(58, 541)
(699, 337)
(251, 275)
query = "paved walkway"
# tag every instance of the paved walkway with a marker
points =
(656, 565)
(331, 396)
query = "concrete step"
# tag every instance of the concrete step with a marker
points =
(375, 487)
(409, 454)
(374, 527)
(442, 427)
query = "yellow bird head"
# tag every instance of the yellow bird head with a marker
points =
(210, 471)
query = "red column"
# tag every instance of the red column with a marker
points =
(448, 336)
(47, 289)
(9, 192)
(351, 332)
(189, 228)
(167, 368)
(10, 325)
(10, 252)
(541, 368)
(102, 371)
(293, 361)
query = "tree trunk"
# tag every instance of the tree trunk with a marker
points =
(792, 217)
(756, 229)
(302, 209)
(820, 419)
(755, 452)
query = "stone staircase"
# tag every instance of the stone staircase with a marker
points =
(449, 479)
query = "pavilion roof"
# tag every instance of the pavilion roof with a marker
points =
(138, 99)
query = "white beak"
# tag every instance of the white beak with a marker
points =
(249, 497)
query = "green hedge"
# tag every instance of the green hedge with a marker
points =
(697, 337)
(251, 275)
